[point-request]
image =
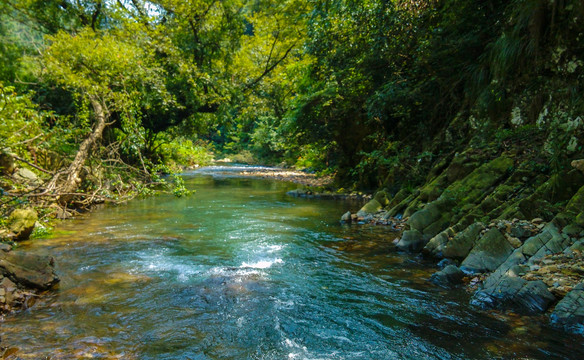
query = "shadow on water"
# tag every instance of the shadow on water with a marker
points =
(242, 271)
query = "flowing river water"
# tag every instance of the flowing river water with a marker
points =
(240, 270)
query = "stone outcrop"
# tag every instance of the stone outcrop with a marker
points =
(519, 236)
(22, 275)
(30, 270)
(569, 312)
(21, 223)
(448, 277)
(517, 294)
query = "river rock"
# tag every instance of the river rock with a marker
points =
(346, 218)
(569, 312)
(491, 250)
(382, 198)
(411, 240)
(371, 207)
(517, 294)
(5, 247)
(21, 223)
(31, 270)
(448, 277)
(462, 243)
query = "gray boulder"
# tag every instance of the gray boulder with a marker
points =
(31, 270)
(462, 243)
(25, 175)
(448, 277)
(517, 294)
(491, 251)
(411, 240)
(346, 218)
(569, 313)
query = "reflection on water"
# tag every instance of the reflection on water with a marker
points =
(241, 271)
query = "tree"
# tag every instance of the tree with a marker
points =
(109, 76)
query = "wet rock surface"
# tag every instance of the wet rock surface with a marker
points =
(450, 276)
(22, 276)
(517, 294)
(569, 312)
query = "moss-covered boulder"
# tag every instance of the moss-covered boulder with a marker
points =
(463, 242)
(480, 182)
(21, 222)
(491, 250)
(370, 208)
(382, 197)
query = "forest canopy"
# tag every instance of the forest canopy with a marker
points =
(104, 97)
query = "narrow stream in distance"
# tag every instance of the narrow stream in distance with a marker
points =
(240, 270)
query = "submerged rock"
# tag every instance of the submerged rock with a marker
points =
(569, 313)
(517, 294)
(411, 240)
(448, 277)
(346, 218)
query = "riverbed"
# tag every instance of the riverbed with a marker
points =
(240, 270)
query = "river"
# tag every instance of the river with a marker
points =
(240, 270)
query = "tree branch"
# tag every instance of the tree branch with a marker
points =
(270, 68)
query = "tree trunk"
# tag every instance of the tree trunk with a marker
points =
(73, 172)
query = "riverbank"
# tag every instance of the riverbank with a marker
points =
(515, 241)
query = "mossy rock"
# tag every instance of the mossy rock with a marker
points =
(382, 197)
(491, 250)
(21, 222)
(399, 197)
(434, 189)
(412, 208)
(371, 207)
(479, 183)
(560, 187)
(463, 242)
(576, 203)
(439, 168)
(462, 165)
(402, 205)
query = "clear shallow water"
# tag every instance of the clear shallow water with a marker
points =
(242, 271)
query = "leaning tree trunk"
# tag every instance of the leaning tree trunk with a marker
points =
(73, 172)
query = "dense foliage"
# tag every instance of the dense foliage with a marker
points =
(374, 91)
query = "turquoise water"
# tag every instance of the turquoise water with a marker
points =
(243, 271)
